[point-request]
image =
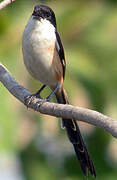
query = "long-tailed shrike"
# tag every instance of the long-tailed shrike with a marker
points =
(44, 58)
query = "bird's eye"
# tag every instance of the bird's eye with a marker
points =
(47, 14)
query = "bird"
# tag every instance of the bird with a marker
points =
(44, 58)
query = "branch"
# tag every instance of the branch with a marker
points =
(58, 110)
(4, 3)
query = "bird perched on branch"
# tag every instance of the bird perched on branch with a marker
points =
(44, 58)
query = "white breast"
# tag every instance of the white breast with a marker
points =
(38, 46)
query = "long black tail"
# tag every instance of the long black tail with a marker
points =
(76, 139)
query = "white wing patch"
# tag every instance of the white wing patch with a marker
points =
(57, 45)
(58, 49)
(63, 61)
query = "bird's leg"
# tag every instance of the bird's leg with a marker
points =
(36, 95)
(48, 98)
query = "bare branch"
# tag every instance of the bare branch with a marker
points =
(58, 110)
(4, 3)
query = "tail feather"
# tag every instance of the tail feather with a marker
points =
(76, 139)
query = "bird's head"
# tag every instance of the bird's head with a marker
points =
(44, 12)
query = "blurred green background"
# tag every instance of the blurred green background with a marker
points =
(33, 146)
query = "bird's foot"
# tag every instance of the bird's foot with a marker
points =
(31, 99)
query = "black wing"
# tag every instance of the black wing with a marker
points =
(60, 52)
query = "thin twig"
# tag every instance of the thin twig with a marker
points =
(4, 3)
(58, 110)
